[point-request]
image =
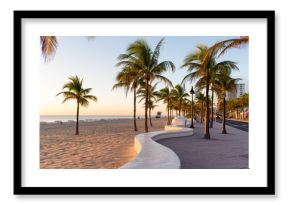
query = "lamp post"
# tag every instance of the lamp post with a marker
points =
(224, 114)
(191, 92)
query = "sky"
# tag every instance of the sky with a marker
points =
(95, 61)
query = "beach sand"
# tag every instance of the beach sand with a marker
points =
(104, 144)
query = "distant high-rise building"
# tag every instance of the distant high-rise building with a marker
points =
(240, 90)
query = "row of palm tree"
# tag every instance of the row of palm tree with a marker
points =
(140, 68)
(201, 65)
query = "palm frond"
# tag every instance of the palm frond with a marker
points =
(91, 97)
(156, 53)
(77, 92)
(48, 46)
(164, 79)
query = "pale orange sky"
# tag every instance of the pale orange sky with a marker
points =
(95, 60)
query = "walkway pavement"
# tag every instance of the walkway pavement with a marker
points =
(223, 151)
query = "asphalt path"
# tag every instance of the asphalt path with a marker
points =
(236, 124)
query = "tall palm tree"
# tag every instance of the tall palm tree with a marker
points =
(166, 95)
(226, 84)
(75, 91)
(202, 65)
(198, 67)
(128, 79)
(179, 93)
(141, 57)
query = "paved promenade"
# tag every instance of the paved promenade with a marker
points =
(223, 151)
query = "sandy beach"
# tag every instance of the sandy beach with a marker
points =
(104, 144)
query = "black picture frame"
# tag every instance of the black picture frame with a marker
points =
(268, 190)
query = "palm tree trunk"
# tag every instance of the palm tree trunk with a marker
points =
(211, 122)
(224, 118)
(206, 131)
(77, 122)
(135, 124)
(150, 117)
(146, 105)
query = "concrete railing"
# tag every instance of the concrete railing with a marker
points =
(151, 154)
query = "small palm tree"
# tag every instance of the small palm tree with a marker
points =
(166, 95)
(201, 101)
(75, 91)
(151, 107)
(141, 93)
(179, 93)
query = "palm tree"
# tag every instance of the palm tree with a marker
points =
(201, 83)
(179, 93)
(141, 57)
(166, 95)
(202, 64)
(151, 107)
(226, 84)
(75, 91)
(201, 100)
(200, 68)
(128, 79)
(152, 94)
(48, 46)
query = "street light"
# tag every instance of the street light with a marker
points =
(191, 92)
(224, 114)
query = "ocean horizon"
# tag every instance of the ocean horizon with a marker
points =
(66, 118)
